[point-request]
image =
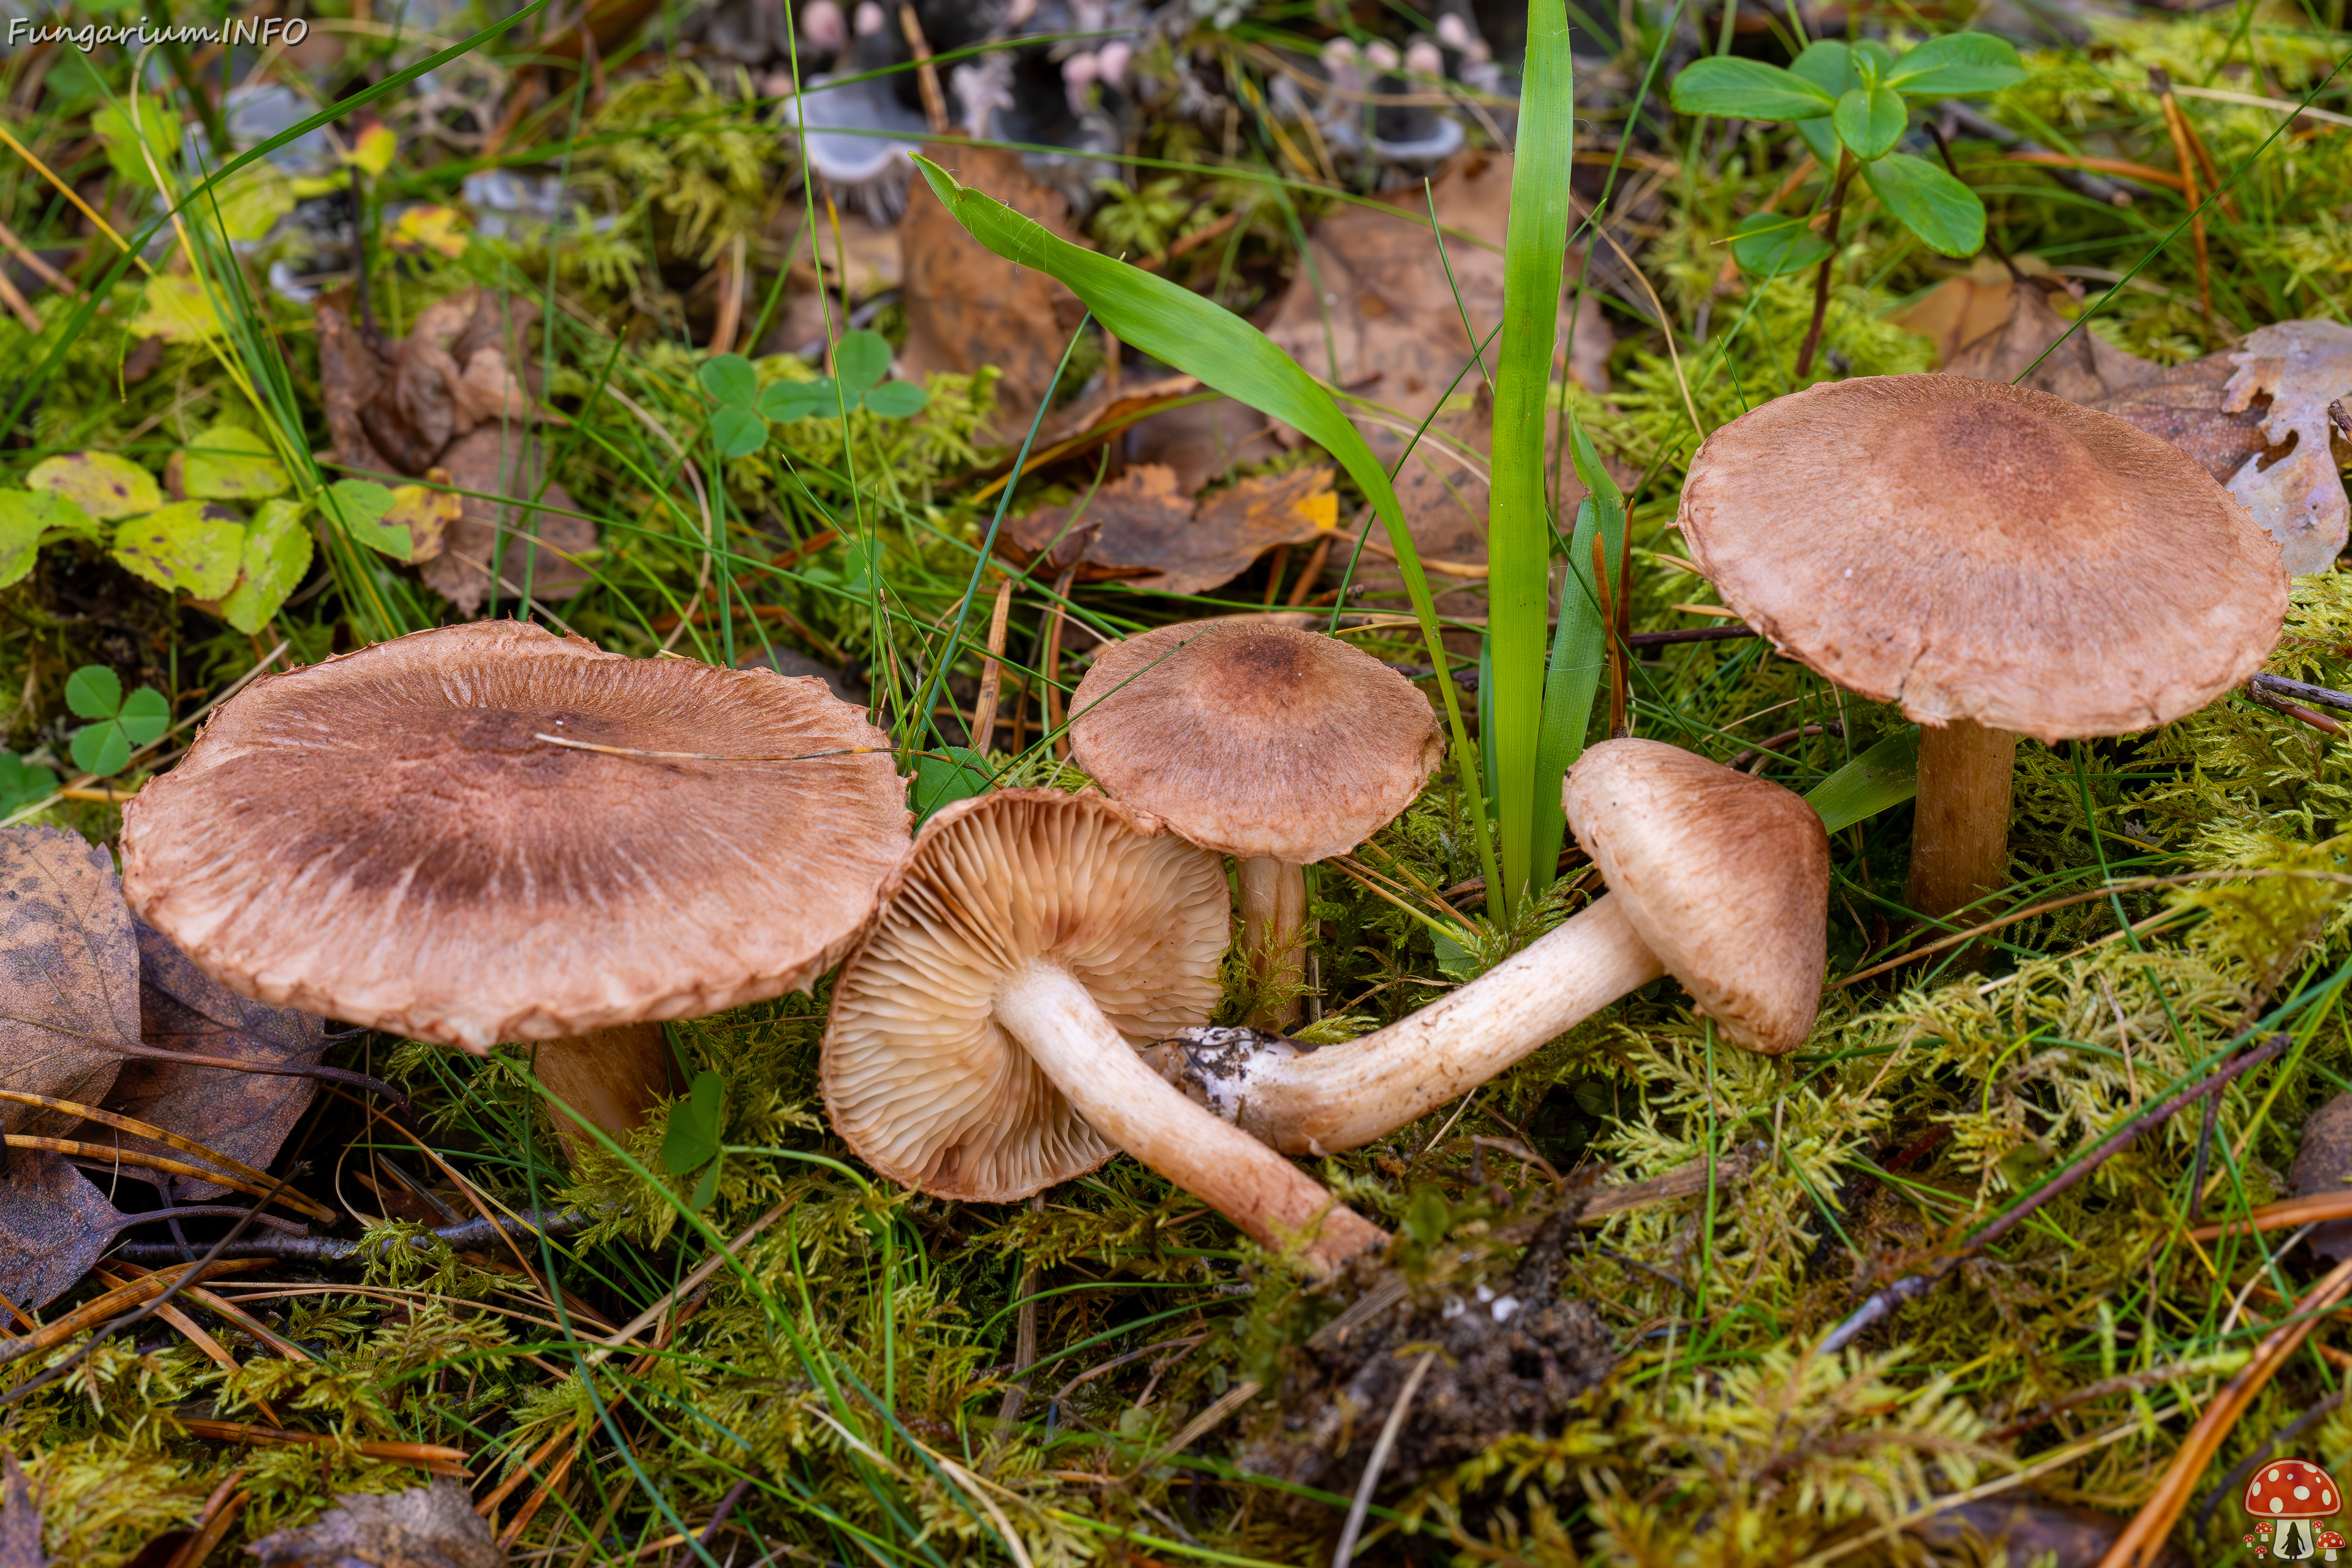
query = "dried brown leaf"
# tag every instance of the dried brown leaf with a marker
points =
(507, 460)
(1142, 527)
(2324, 1164)
(54, 1225)
(20, 1519)
(2301, 367)
(429, 1526)
(966, 307)
(245, 1116)
(69, 973)
(2084, 368)
(350, 375)
(451, 373)
(2183, 405)
(2031, 1530)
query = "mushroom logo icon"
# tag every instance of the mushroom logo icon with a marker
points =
(2293, 1495)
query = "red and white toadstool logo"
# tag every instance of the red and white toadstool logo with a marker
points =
(2291, 1495)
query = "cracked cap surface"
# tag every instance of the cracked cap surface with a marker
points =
(380, 839)
(1974, 550)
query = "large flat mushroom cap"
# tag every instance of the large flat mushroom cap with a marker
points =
(1974, 550)
(380, 839)
(918, 1076)
(1724, 875)
(1255, 739)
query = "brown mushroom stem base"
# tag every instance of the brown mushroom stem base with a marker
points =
(611, 1077)
(1343, 1097)
(1959, 844)
(1065, 1034)
(1273, 931)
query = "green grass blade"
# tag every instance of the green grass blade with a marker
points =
(1519, 526)
(1199, 338)
(1885, 775)
(1578, 654)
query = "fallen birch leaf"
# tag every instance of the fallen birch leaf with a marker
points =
(54, 1226)
(69, 973)
(2301, 367)
(104, 486)
(428, 1527)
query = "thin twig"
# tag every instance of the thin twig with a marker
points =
(473, 1235)
(1380, 1447)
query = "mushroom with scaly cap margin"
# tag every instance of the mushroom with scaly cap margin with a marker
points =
(1716, 877)
(388, 838)
(1998, 561)
(982, 1041)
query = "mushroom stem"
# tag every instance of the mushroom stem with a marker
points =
(1273, 931)
(612, 1077)
(1959, 844)
(1343, 1097)
(1065, 1034)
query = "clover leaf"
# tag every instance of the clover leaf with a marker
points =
(123, 723)
(860, 362)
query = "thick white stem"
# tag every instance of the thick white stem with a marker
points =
(1343, 1097)
(1044, 1009)
(1273, 931)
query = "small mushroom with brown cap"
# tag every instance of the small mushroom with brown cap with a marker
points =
(1716, 877)
(1278, 746)
(982, 1042)
(1998, 562)
(487, 833)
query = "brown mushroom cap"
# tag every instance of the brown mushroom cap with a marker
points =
(1255, 739)
(380, 839)
(1974, 550)
(919, 1077)
(1726, 877)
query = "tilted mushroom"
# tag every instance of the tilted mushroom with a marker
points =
(1716, 877)
(1998, 562)
(390, 837)
(982, 1043)
(1276, 746)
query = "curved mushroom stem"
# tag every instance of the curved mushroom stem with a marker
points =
(1959, 846)
(612, 1077)
(1343, 1097)
(1273, 931)
(1065, 1034)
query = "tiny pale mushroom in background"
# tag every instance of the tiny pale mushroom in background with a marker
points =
(982, 1041)
(1276, 746)
(487, 833)
(1998, 562)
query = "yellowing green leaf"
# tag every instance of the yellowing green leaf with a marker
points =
(371, 154)
(157, 122)
(251, 201)
(422, 228)
(276, 555)
(176, 310)
(182, 547)
(27, 517)
(428, 514)
(229, 463)
(103, 485)
(360, 507)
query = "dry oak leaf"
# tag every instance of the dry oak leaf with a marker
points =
(20, 1519)
(245, 1116)
(1142, 528)
(429, 1526)
(68, 974)
(54, 1225)
(450, 375)
(507, 460)
(2301, 367)
(2084, 368)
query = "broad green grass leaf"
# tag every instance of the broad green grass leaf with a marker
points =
(959, 774)
(180, 547)
(861, 359)
(739, 432)
(1198, 338)
(94, 692)
(731, 379)
(1870, 120)
(1518, 522)
(1748, 90)
(145, 715)
(359, 507)
(276, 555)
(104, 486)
(1766, 245)
(228, 462)
(100, 749)
(1579, 648)
(1957, 65)
(787, 401)
(691, 1141)
(1928, 202)
(897, 400)
(1884, 776)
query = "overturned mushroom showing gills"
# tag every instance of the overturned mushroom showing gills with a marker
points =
(386, 838)
(1276, 746)
(983, 1044)
(1716, 877)
(2000, 562)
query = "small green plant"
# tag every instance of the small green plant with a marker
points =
(1852, 104)
(691, 1142)
(120, 724)
(860, 361)
(23, 784)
